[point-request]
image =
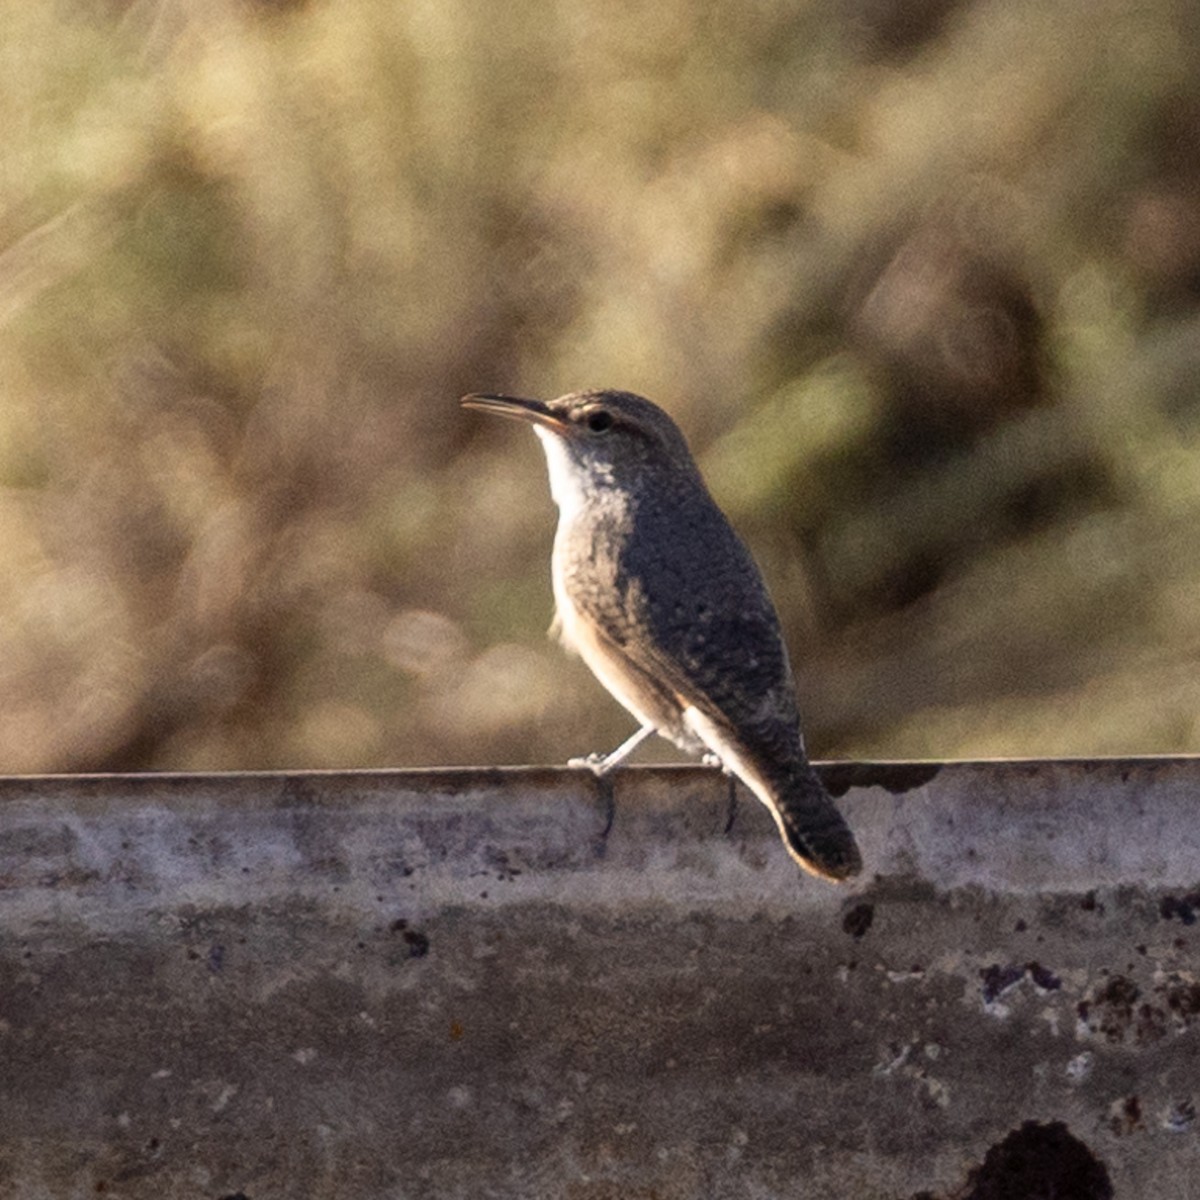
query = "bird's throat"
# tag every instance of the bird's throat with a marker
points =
(576, 482)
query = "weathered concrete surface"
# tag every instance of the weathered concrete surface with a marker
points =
(513, 983)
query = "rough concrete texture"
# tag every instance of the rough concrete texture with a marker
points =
(529, 983)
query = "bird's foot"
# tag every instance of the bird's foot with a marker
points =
(598, 764)
(601, 764)
(709, 759)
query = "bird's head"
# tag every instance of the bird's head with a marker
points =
(612, 433)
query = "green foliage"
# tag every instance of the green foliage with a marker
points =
(920, 281)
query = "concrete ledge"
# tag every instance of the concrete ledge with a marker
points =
(529, 983)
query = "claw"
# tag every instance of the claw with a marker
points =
(598, 764)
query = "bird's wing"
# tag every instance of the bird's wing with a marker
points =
(702, 626)
(731, 664)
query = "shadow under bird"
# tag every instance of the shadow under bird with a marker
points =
(662, 600)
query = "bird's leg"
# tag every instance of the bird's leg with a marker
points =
(601, 764)
(711, 759)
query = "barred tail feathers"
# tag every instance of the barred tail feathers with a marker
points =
(815, 833)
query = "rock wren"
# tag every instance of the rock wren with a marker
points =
(663, 602)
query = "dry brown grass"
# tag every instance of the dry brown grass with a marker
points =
(920, 282)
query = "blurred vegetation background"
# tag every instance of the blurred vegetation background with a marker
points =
(920, 279)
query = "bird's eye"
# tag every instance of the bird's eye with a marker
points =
(600, 421)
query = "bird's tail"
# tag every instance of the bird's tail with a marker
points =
(813, 830)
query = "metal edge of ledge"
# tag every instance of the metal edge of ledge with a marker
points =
(644, 834)
(865, 767)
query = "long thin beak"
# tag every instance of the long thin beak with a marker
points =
(536, 412)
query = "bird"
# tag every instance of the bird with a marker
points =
(662, 600)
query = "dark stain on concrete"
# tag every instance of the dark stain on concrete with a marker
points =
(498, 861)
(858, 920)
(417, 942)
(38, 841)
(997, 980)
(1120, 1012)
(731, 805)
(1043, 977)
(297, 791)
(1182, 997)
(608, 803)
(1110, 1010)
(1115, 1012)
(1126, 1116)
(903, 889)
(1182, 908)
(1040, 1162)
(896, 778)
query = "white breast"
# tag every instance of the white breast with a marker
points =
(573, 485)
